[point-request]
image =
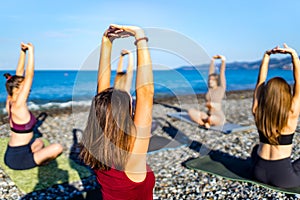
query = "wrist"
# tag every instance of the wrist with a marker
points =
(139, 33)
(294, 54)
(140, 39)
(106, 40)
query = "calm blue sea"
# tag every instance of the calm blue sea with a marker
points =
(60, 88)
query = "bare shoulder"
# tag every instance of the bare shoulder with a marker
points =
(291, 125)
(136, 177)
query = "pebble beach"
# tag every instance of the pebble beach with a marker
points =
(173, 180)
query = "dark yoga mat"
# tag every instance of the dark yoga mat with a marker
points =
(232, 168)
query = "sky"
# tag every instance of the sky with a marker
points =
(67, 33)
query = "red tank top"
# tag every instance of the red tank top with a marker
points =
(116, 185)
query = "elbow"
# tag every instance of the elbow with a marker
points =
(29, 75)
(146, 92)
(29, 71)
(149, 91)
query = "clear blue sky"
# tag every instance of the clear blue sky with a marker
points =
(66, 32)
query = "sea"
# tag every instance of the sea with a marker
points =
(64, 88)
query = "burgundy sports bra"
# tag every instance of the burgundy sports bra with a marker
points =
(22, 128)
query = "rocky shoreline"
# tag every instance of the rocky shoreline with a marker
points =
(173, 180)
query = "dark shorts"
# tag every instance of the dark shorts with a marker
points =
(281, 173)
(19, 157)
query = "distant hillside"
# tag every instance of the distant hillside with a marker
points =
(284, 63)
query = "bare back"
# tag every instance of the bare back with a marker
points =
(22, 117)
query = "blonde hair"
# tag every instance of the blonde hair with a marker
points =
(274, 104)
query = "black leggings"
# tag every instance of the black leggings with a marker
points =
(19, 157)
(281, 173)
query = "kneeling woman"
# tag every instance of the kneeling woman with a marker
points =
(115, 144)
(276, 112)
(24, 152)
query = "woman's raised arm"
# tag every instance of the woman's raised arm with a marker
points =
(222, 70)
(119, 69)
(136, 165)
(296, 93)
(120, 64)
(23, 95)
(262, 76)
(144, 87)
(129, 72)
(127, 78)
(21, 62)
(104, 68)
(296, 64)
(212, 66)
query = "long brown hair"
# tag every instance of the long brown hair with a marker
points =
(110, 132)
(274, 104)
(12, 82)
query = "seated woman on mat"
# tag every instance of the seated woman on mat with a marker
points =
(123, 80)
(276, 111)
(115, 144)
(23, 151)
(217, 87)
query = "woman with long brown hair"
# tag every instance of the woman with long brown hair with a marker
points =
(276, 111)
(115, 143)
(23, 151)
(217, 87)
